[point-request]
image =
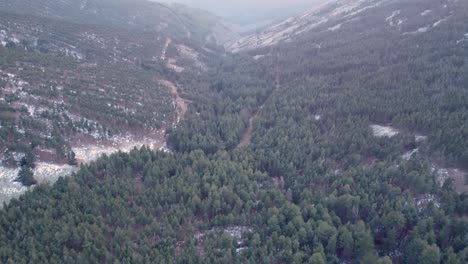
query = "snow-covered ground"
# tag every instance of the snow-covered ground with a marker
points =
(424, 200)
(257, 57)
(464, 39)
(384, 131)
(426, 12)
(334, 28)
(46, 173)
(420, 138)
(409, 154)
(164, 51)
(89, 152)
(419, 30)
(391, 19)
(437, 23)
(9, 189)
(236, 232)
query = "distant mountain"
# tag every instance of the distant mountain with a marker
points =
(406, 17)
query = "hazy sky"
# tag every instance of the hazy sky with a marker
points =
(249, 9)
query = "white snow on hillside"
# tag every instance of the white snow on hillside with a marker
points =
(392, 21)
(440, 21)
(392, 16)
(335, 27)
(9, 187)
(327, 12)
(419, 30)
(384, 131)
(426, 12)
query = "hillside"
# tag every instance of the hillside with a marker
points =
(339, 137)
(395, 59)
(151, 17)
(333, 15)
(76, 86)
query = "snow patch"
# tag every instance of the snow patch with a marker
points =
(426, 12)
(9, 188)
(46, 173)
(237, 232)
(124, 143)
(440, 21)
(419, 30)
(390, 19)
(165, 149)
(384, 131)
(420, 138)
(423, 29)
(164, 51)
(257, 57)
(423, 201)
(334, 28)
(409, 154)
(465, 37)
(83, 5)
(459, 176)
(175, 67)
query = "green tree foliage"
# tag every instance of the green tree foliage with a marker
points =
(314, 184)
(26, 176)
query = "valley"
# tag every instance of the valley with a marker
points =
(141, 132)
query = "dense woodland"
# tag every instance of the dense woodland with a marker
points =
(313, 186)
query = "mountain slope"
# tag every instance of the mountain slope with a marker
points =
(79, 79)
(139, 15)
(400, 63)
(416, 17)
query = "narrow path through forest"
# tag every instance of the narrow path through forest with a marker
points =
(181, 103)
(164, 51)
(247, 135)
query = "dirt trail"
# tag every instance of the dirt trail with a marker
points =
(247, 135)
(182, 104)
(164, 51)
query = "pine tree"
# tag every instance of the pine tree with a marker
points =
(26, 176)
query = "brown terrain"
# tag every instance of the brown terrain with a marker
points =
(247, 136)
